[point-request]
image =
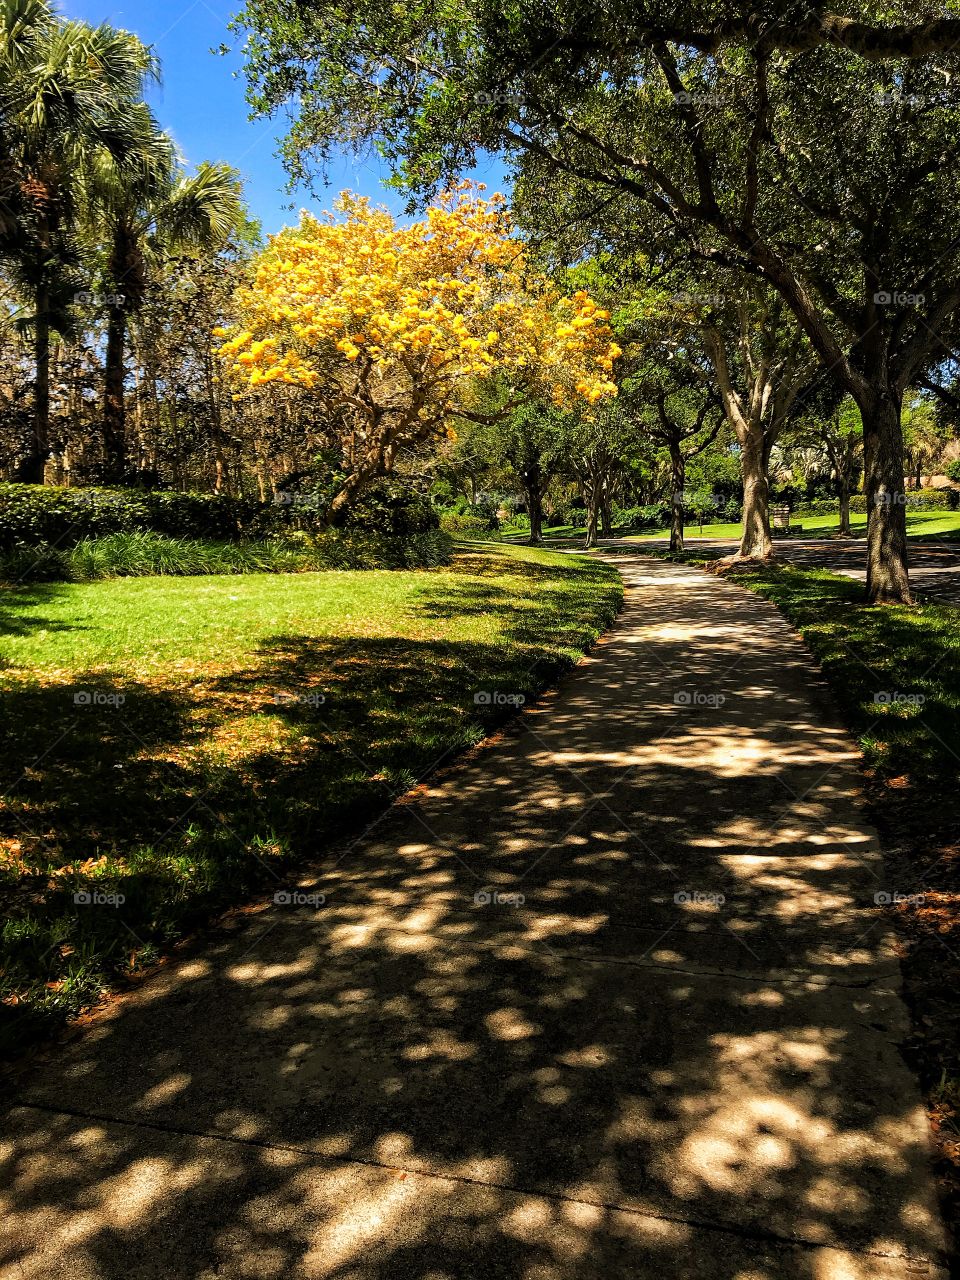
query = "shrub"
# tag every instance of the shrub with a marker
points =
(145, 554)
(819, 507)
(655, 515)
(34, 514)
(391, 507)
(917, 500)
(933, 500)
(953, 470)
(465, 524)
(518, 520)
(31, 514)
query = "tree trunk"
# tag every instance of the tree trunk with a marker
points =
(591, 496)
(114, 443)
(756, 543)
(354, 484)
(606, 516)
(844, 530)
(888, 580)
(535, 511)
(32, 467)
(678, 470)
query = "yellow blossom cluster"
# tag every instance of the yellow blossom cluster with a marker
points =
(352, 296)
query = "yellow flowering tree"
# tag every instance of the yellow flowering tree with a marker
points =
(389, 329)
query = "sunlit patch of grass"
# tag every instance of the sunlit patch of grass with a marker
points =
(229, 728)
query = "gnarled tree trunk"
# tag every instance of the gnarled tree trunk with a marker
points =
(844, 530)
(606, 515)
(888, 581)
(755, 542)
(533, 481)
(678, 471)
(593, 498)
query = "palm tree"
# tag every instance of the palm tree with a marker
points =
(145, 207)
(70, 92)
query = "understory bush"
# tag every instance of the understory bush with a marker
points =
(144, 553)
(465, 524)
(654, 515)
(31, 514)
(916, 500)
(819, 507)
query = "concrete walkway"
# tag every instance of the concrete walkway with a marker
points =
(934, 566)
(611, 1000)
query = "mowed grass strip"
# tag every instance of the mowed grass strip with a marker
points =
(176, 743)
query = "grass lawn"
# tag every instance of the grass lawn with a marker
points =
(910, 741)
(920, 524)
(178, 743)
(939, 525)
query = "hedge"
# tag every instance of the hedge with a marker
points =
(143, 553)
(654, 516)
(31, 515)
(466, 525)
(924, 500)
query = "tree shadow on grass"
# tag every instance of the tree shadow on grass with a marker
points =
(184, 799)
(500, 1037)
(36, 595)
(514, 1032)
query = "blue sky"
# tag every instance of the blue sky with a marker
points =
(201, 103)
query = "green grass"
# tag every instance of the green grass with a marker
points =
(920, 524)
(939, 525)
(229, 728)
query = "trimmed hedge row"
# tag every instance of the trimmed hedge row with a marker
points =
(924, 500)
(34, 514)
(144, 553)
(31, 515)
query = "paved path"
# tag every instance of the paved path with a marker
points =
(674, 1055)
(934, 566)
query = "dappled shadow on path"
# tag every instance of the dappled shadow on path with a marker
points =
(612, 1000)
